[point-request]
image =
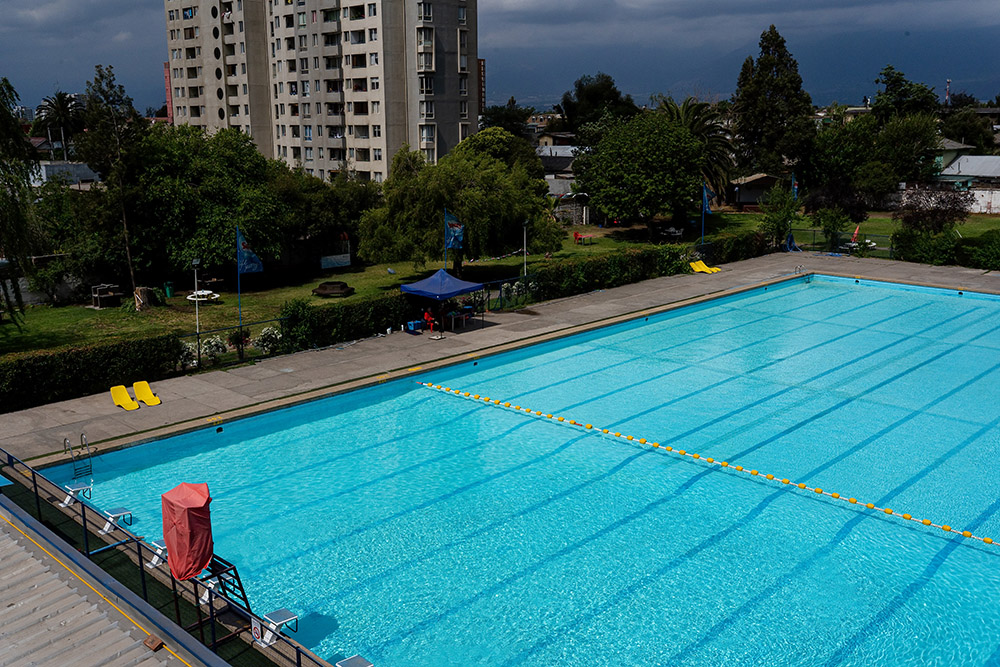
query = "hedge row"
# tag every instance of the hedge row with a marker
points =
(736, 246)
(305, 326)
(35, 378)
(980, 252)
(576, 276)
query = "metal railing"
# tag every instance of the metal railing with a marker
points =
(872, 245)
(223, 620)
(508, 292)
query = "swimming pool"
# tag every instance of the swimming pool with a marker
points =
(421, 528)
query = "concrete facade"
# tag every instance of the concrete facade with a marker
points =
(328, 85)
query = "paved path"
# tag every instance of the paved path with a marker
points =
(189, 401)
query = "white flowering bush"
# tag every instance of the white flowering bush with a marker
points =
(214, 348)
(188, 356)
(267, 340)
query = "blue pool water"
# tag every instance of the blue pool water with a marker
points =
(419, 528)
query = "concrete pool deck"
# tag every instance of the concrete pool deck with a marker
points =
(195, 401)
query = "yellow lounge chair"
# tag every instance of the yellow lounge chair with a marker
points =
(121, 397)
(145, 394)
(706, 268)
(698, 269)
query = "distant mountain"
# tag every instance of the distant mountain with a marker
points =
(840, 68)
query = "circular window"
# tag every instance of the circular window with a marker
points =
(218, 53)
(215, 12)
(222, 114)
(218, 73)
(218, 93)
(215, 33)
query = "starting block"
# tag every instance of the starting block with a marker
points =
(114, 515)
(74, 491)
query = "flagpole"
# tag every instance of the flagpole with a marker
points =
(445, 238)
(704, 198)
(239, 296)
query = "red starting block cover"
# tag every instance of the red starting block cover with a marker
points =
(187, 529)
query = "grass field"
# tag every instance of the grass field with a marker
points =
(47, 327)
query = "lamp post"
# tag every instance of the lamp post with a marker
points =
(197, 321)
(524, 247)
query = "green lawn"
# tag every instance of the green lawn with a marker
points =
(47, 327)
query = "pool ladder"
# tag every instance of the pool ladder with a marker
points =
(81, 457)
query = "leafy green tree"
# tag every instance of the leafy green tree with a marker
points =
(642, 167)
(833, 221)
(779, 213)
(771, 111)
(503, 145)
(901, 97)
(967, 127)
(510, 117)
(490, 196)
(590, 98)
(114, 129)
(963, 100)
(933, 211)
(705, 122)
(909, 145)
(62, 113)
(17, 162)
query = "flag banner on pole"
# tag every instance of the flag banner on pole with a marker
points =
(246, 260)
(706, 196)
(453, 231)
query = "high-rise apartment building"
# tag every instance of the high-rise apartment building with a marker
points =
(328, 85)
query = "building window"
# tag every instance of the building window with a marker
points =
(463, 131)
(463, 85)
(329, 15)
(425, 37)
(189, 12)
(463, 63)
(302, 19)
(461, 16)
(427, 134)
(427, 109)
(429, 154)
(305, 89)
(377, 176)
(304, 65)
(376, 130)
(463, 109)
(307, 132)
(425, 62)
(372, 9)
(172, 16)
(377, 154)
(372, 34)
(309, 154)
(373, 59)
(374, 83)
(425, 12)
(376, 106)
(295, 131)
(463, 38)
(426, 85)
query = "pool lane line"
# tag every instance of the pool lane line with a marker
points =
(709, 461)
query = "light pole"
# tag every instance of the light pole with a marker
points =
(524, 248)
(197, 321)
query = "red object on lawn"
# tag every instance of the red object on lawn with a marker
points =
(854, 239)
(187, 529)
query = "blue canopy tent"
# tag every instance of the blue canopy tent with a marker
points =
(441, 286)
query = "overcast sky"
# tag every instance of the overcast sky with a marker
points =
(536, 49)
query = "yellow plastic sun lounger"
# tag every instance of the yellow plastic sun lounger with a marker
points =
(698, 267)
(706, 268)
(121, 397)
(145, 394)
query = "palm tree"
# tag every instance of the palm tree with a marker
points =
(708, 126)
(61, 111)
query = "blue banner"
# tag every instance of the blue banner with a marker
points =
(706, 196)
(454, 231)
(246, 260)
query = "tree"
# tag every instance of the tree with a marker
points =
(642, 167)
(927, 212)
(707, 125)
(491, 196)
(590, 98)
(962, 99)
(967, 127)
(501, 144)
(17, 162)
(901, 97)
(909, 145)
(114, 129)
(771, 112)
(780, 211)
(508, 116)
(62, 112)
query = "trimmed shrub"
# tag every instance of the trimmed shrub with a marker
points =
(35, 378)
(736, 246)
(912, 246)
(214, 348)
(576, 276)
(982, 252)
(268, 340)
(305, 326)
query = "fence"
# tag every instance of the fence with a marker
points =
(238, 339)
(871, 245)
(506, 293)
(142, 569)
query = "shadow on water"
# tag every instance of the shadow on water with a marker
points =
(314, 628)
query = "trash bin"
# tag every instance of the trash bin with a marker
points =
(168, 289)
